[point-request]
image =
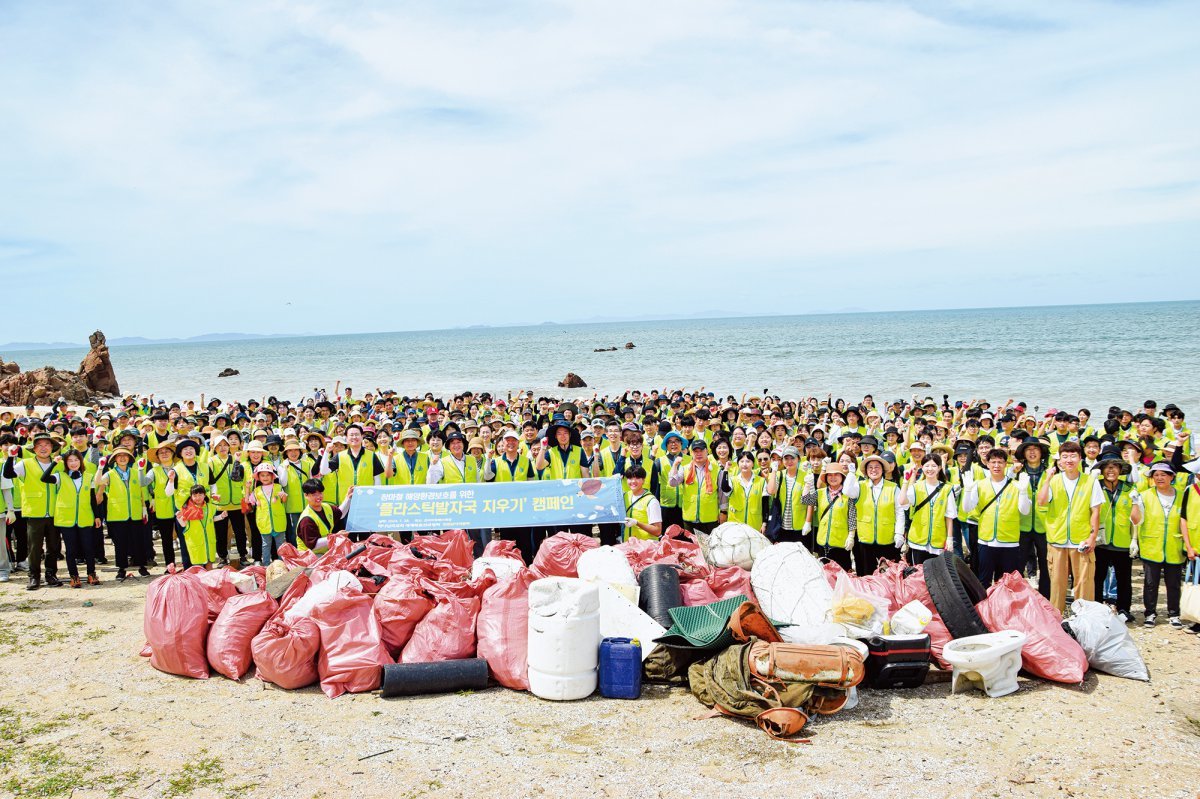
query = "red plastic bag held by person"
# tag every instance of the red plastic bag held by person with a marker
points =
(229, 640)
(175, 621)
(503, 630)
(1049, 652)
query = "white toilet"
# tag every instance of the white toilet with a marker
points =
(989, 662)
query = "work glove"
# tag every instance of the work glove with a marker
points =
(807, 528)
(10, 517)
(850, 541)
(630, 521)
(898, 541)
(1133, 548)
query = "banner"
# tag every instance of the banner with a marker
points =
(538, 503)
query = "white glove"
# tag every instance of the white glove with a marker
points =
(898, 541)
(850, 541)
(807, 528)
(808, 482)
(1133, 547)
(630, 521)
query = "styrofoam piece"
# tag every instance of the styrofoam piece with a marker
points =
(622, 618)
(607, 564)
(503, 568)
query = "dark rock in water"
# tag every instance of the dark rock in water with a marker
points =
(605, 349)
(628, 345)
(572, 380)
(229, 373)
(921, 385)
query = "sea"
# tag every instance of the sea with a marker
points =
(1068, 357)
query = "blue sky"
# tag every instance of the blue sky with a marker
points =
(171, 169)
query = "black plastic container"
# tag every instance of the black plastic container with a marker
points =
(414, 679)
(660, 592)
(897, 661)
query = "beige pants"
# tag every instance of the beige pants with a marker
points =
(1067, 561)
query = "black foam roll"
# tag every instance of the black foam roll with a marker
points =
(412, 679)
(660, 592)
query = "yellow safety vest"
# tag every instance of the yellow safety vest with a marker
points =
(125, 498)
(322, 527)
(635, 507)
(73, 506)
(270, 516)
(1000, 522)
(1159, 537)
(746, 506)
(833, 519)
(876, 520)
(1069, 520)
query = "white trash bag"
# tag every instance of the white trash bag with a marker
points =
(1106, 641)
(734, 544)
(606, 565)
(911, 619)
(791, 587)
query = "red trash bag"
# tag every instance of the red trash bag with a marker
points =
(175, 621)
(696, 592)
(640, 552)
(294, 558)
(218, 588)
(399, 605)
(447, 632)
(286, 654)
(914, 589)
(229, 640)
(1050, 653)
(730, 581)
(258, 573)
(503, 549)
(558, 556)
(352, 653)
(503, 630)
(453, 545)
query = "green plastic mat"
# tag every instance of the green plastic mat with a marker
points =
(702, 626)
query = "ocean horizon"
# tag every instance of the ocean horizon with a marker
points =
(1065, 356)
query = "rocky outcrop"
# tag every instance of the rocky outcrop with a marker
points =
(572, 380)
(920, 385)
(628, 345)
(605, 349)
(228, 372)
(94, 380)
(96, 370)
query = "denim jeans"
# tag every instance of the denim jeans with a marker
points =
(279, 539)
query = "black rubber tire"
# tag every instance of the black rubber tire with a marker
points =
(952, 587)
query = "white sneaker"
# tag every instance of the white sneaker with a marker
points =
(3, 578)
(1176, 622)
(1150, 619)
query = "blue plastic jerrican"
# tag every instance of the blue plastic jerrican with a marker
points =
(620, 668)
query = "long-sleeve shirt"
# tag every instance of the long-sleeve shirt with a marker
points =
(850, 490)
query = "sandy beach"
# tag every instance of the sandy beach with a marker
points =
(83, 715)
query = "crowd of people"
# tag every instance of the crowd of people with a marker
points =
(1068, 498)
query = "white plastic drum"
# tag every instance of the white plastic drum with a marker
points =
(564, 637)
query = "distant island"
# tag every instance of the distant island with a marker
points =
(137, 341)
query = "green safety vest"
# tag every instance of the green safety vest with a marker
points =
(1069, 522)
(746, 506)
(1159, 538)
(635, 508)
(452, 474)
(164, 504)
(505, 474)
(833, 519)
(38, 498)
(125, 498)
(73, 506)
(1000, 522)
(876, 520)
(1116, 524)
(270, 516)
(349, 475)
(200, 537)
(298, 472)
(568, 469)
(699, 504)
(322, 528)
(928, 527)
(791, 495)
(403, 476)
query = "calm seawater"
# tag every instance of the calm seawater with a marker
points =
(1070, 356)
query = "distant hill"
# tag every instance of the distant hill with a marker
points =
(136, 341)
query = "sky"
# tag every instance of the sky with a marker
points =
(173, 169)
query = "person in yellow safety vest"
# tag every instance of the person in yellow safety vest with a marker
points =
(998, 501)
(1072, 499)
(227, 476)
(512, 465)
(320, 519)
(1030, 456)
(194, 522)
(745, 494)
(1178, 432)
(354, 465)
(932, 511)
(836, 520)
(1164, 542)
(700, 489)
(562, 458)
(1120, 514)
(269, 500)
(74, 512)
(609, 460)
(643, 514)
(161, 474)
(880, 516)
(453, 466)
(122, 485)
(636, 452)
(37, 506)
(964, 469)
(789, 521)
(409, 466)
(299, 468)
(669, 497)
(8, 516)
